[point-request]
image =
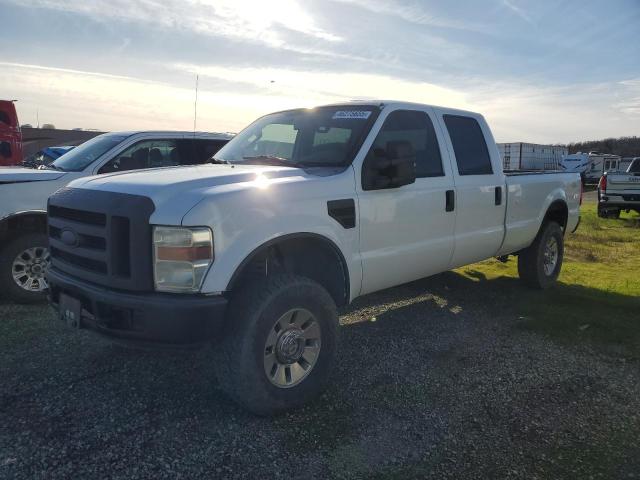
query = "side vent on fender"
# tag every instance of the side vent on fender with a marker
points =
(343, 212)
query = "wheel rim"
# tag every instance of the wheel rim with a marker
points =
(550, 256)
(292, 348)
(29, 267)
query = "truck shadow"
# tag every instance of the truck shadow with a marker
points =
(566, 312)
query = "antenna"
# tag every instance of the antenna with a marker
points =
(37, 118)
(195, 107)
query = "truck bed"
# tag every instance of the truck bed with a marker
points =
(528, 198)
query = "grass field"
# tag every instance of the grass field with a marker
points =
(598, 296)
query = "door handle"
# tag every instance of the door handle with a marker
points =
(450, 201)
(498, 196)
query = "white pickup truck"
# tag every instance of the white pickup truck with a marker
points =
(24, 192)
(306, 210)
(619, 191)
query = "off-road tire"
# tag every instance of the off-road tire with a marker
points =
(253, 310)
(608, 212)
(9, 289)
(531, 261)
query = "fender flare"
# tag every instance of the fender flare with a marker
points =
(4, 221)
(292, 236)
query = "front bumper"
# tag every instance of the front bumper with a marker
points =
(145, 319)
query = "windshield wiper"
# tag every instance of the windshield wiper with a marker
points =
(51, 166)
(273, 160)
(219, 160)
(277, 161)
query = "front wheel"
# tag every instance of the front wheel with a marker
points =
(23, 264)
(539, 265)
(280, 346)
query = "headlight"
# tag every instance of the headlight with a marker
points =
(181, 257)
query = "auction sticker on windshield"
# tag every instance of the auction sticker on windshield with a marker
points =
(351, 114)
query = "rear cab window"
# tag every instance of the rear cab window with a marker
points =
(469, 145)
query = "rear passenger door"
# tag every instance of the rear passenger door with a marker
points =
(406, 233)
(480, 197)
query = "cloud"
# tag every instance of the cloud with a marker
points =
(318, 87)
(416, 13)
(520, 12)
(251, 20)
(68, 70)
(630, 103)
(516, 112)
(520, 112)
(256, 57)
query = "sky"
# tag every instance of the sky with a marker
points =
(540, 71)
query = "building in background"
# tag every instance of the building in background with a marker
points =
(531, 156)
(35, 139)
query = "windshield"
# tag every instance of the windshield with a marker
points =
(325, 136)
(634, 167)
(77, 159)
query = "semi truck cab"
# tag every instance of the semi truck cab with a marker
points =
(10, 135)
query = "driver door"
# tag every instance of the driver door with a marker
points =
(407, 233)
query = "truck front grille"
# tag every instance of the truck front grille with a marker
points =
(81, 216)
(102, 237)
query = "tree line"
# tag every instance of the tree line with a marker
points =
(623, 146)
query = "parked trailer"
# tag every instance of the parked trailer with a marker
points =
(531, 156)
(591, 166)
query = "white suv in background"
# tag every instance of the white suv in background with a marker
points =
(24, 193)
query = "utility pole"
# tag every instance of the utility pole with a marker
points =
(195, 107)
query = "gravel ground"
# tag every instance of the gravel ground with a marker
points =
(436, 379)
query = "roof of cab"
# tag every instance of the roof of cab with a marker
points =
(399, 104)
(214, 135)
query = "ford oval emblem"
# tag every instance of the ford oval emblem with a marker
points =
(69, 237)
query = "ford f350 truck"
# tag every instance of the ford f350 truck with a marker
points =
(24, 192)
(619, 191)
(304, 211)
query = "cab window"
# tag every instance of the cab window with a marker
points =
(145, 154)
(469, 145)
(416, 129)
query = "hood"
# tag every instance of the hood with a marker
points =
(20, 175)
(174, 190)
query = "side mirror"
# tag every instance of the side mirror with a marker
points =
(391, 167)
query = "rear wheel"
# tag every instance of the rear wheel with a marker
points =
(608, 212)
(23, 264)
(280, 345)
(539, 265)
